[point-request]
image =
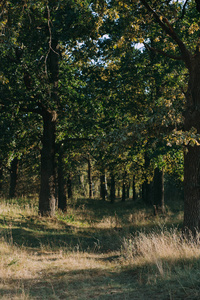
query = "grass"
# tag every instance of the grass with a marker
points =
(96, 251)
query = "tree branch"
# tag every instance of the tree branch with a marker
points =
(197, 5)
(183, 10)
(163, 53)
(76, 140)
(33, 110)
(167, 27)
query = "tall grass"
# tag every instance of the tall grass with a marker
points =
(165, 259)
(168, 245)
(76, 255)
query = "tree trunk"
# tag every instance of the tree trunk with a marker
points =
(1, 178)
(163, 193)
(128, 190)
(62, 188)
(124, 187)
(123, 192)
(192, 189)
(103, 186)
(47, 189)
(118, 192)
(89, 178)
(82, 186)
(134, 191)
(192, 154)
(69, 186)
(13, 177)
(146, 186)
(112, 189)
(158, 191)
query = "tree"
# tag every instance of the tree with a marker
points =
(42, 37)
(156, 26)
(191, 59)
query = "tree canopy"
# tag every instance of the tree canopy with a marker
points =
(116, 81)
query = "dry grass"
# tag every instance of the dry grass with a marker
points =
(43, 274)
(165, 259)
(165, 245)
(95, 253)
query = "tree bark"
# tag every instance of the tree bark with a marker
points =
(62, 188)
(118, 192)
(82, 186)
(103, 186)
(13, 177)
(47, 190)
(1, 178)
(124, 187)
(123, 192)
(192, 154)
(128, 190)
(134, 191)
(69, 186)
(89, 178)
(112, 189)
(158, 191)
(146, 186)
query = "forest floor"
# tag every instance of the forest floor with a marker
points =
(97, 250)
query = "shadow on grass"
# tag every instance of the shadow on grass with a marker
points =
(139, 283)
(97, 209)
(70, 238)
(37, 232)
